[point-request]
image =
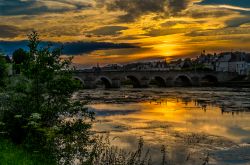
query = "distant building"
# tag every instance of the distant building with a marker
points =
(208, 61)
(222, 64)
(111, 67)
(176, 65)
(234, 62)
(153, 65)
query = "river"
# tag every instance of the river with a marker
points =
(192, 123)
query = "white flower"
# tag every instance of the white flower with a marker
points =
(35, 116)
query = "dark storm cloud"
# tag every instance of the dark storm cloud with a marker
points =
(230, 31)
(35, 7)
(69, 48)
(136, 8)
(8, 31)
(240, 3)
(207, 13)
(238, 21)
(77, 48)
(108, 30)
(176, 6)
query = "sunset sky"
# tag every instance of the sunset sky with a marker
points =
(120, 31)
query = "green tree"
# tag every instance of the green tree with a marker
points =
(3, 70)
(19, 57)
(39, 112)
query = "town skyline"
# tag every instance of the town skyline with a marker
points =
(234, 62)
(122, 31)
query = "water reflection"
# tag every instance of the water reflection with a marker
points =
(184, 125)
(181, 116)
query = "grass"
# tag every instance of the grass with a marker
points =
(11, 154)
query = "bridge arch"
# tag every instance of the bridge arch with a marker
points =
(78, 79)
(209, 80)
(182, 80)
(135, 81)
(159, 81)
(106, 81)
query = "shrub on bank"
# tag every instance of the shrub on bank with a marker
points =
(37, 111)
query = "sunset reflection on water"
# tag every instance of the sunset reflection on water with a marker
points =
(171, 114)
(170, 122)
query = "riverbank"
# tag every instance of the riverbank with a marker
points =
(11, 154)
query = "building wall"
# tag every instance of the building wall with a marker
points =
(209, 66)
(248, 68)
(240, 67)
(222, 66)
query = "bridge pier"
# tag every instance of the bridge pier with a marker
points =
(195, 81)
(116, 83)
(144, 82)
(170, 82)
(89, 83)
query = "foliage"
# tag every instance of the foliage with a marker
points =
(38, 111)
(11, 154)
(3, 70)
(19, 57)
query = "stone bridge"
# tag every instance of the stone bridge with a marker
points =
(140, 79)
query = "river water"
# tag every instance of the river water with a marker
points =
(192, 123)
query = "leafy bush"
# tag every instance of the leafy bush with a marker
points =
(3, 70)
(37, 110)
(11, 154)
